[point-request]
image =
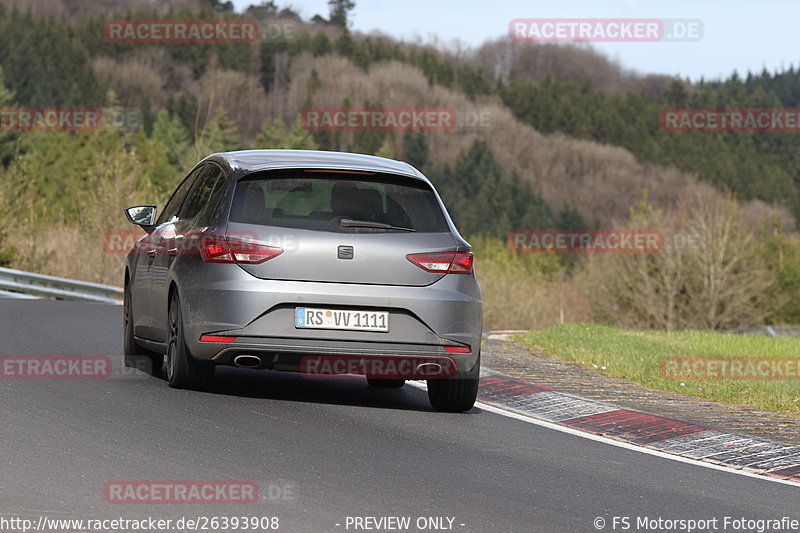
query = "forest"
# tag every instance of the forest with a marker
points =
(574, 141)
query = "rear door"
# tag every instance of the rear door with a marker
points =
(335, 226)
(147, 251)
(176, 239)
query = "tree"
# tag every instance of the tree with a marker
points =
(528, 210)
(46, 65)
(386, 149)
(340, 11)
(367, 141)
(8, 140)
(676, 94)
(729, 282)
(170, 134)
(345, 45)
(644, 290)
(320, 44)
(415, 144)
(273, 135)
(7, 150)
(7, 251)
(267, 8)
(219, 135)
(708, 274)
(225, 7)
(570, 218)
(482, 196)
(784, 262)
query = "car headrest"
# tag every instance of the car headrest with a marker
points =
(250, 206)
(371, 204)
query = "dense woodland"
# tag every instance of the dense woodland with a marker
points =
(575, 142)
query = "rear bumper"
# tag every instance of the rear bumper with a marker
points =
(370, 364)
(300, 354)
(260, 315)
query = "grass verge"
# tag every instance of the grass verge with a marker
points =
(638, 356)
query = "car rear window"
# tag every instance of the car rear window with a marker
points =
(321, 201)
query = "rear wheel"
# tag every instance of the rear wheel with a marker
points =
(183, 370)
(134, 355)
(455, 394)
(386, 383)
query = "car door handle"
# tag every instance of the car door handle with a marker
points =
(172, 252)
(151, 253)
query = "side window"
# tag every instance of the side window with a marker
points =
(201, 192)
(173, 206)
(206, 213)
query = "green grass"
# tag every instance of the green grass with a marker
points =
(637, 356)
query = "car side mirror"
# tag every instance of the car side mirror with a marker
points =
(142, 215)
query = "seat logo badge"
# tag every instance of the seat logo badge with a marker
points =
(345, 252)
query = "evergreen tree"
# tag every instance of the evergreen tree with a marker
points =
(415, 144)
(8, 140)
(527, 209)
(368, 141)
(320, 44)
(340, 11)
(274, 135)
(482, 208)
(386, 150)
(570, 218)
(219, 135)
(169, 133)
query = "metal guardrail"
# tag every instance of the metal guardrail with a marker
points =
(18, 295)
(771, 331)
(21, 284)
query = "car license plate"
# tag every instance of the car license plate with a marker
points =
(312, 318)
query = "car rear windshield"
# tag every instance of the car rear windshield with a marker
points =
(320, 201)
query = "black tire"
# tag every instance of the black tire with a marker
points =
(183, 370)
(134, 356)
(386, 383)
(456, 394)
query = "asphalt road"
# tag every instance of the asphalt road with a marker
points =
(320, 449)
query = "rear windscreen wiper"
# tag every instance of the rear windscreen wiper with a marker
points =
(350, 223)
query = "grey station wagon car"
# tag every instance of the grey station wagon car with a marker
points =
(307, 261)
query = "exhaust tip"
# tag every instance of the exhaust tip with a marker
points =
(429, 369)
(247, 361)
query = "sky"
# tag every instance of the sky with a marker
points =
(737, 35)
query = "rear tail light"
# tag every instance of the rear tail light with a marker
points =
(457, 349)
(443, 262)
(216, 338)
(222, 250)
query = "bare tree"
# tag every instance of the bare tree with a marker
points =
(729, 283)
(709, 273)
